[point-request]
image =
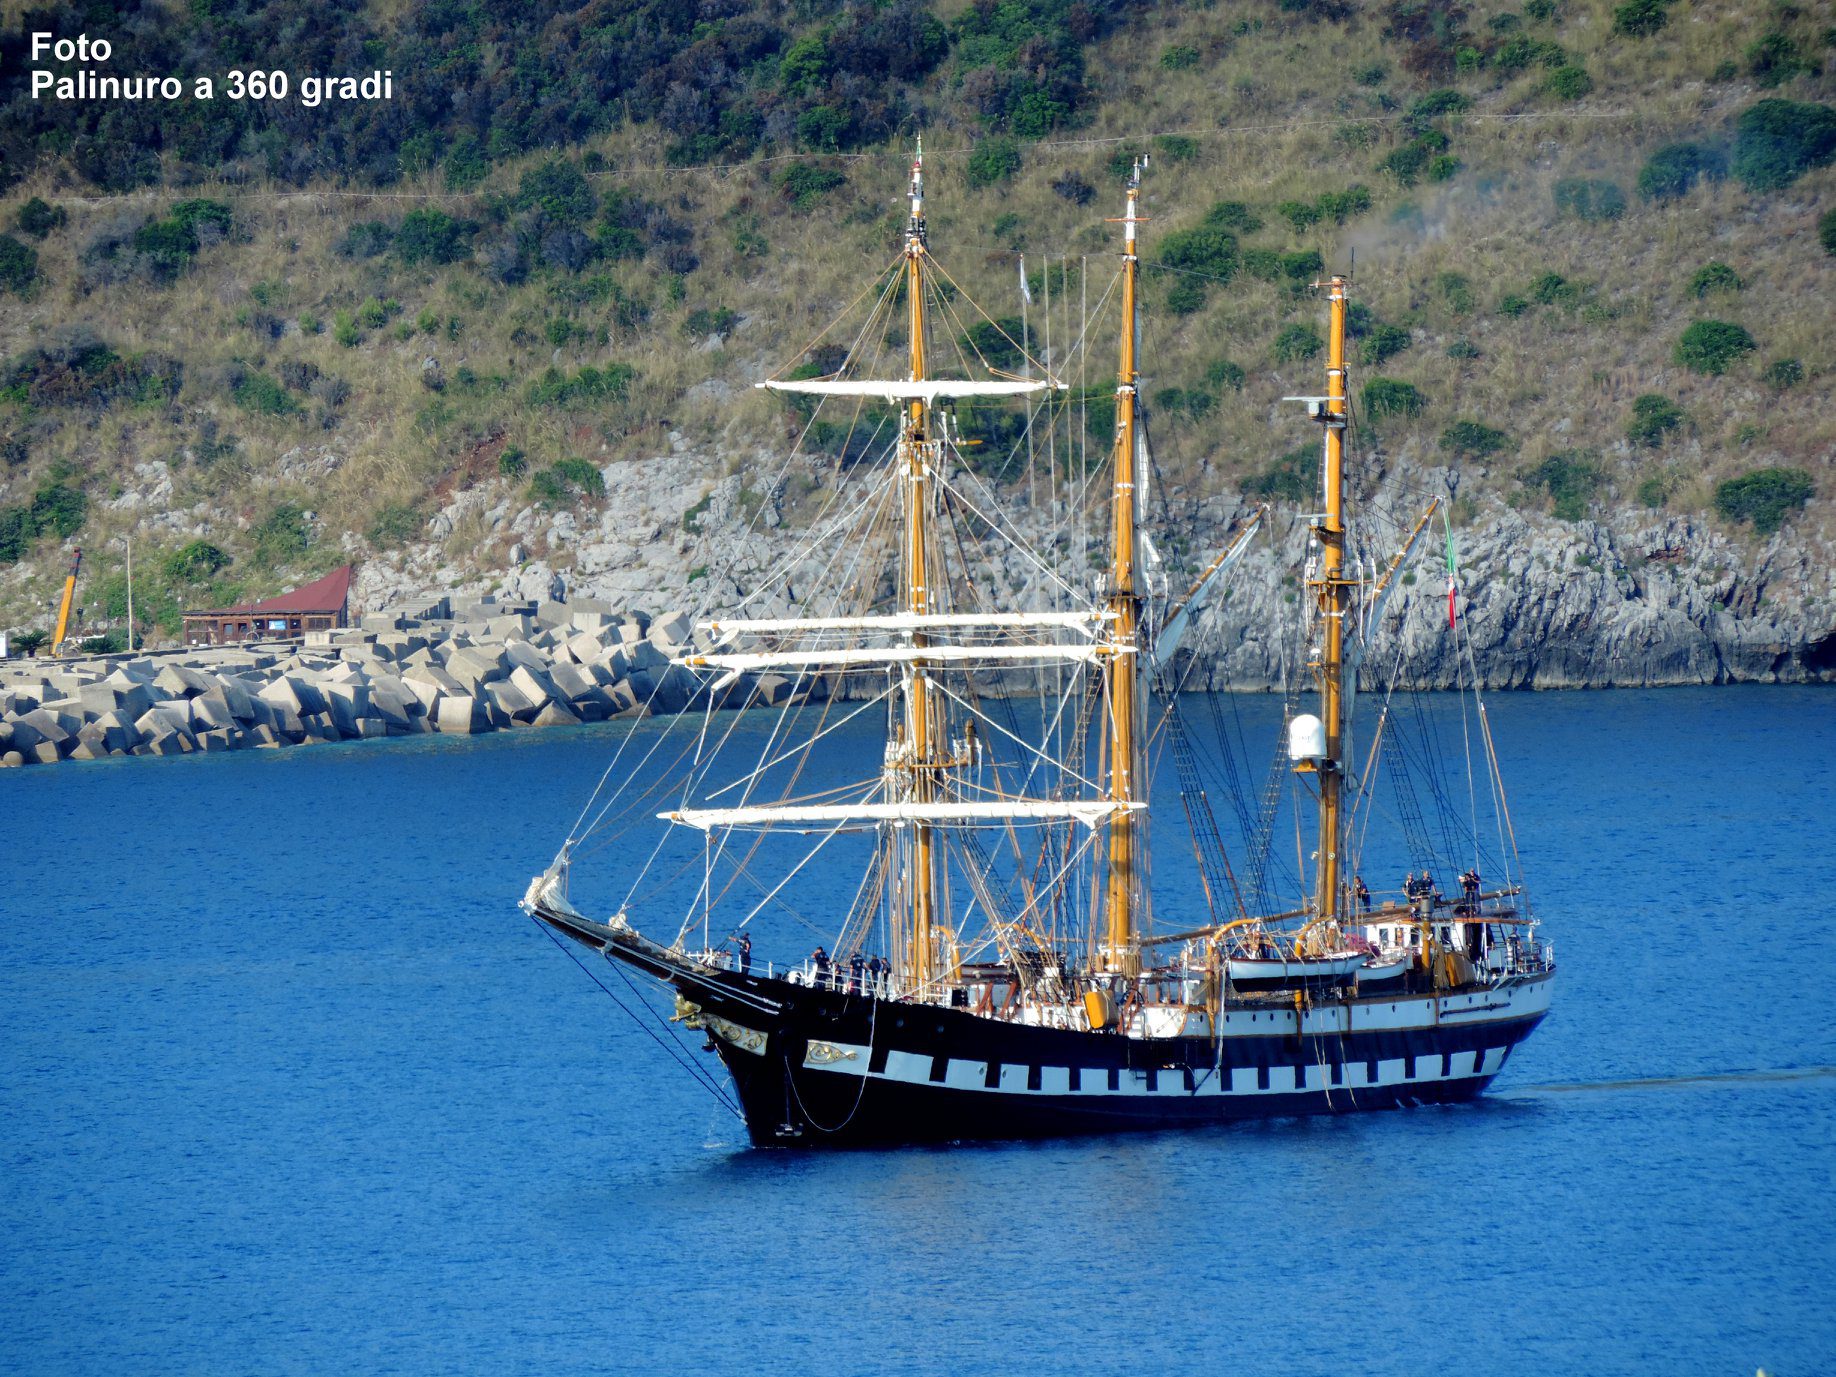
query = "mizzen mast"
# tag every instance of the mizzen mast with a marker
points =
(1332, 593)
(923, 757)
(1125, 890)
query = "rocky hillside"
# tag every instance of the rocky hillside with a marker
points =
(505, 323)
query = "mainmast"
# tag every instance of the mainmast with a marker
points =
(923, 709)
(1124, 892)
(1332, 595)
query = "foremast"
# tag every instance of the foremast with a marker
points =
(1125, 890)
(920, 755)
(1332, 593)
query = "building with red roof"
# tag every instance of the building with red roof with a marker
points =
(320, 606)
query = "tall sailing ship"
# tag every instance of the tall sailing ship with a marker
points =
(1029, 985)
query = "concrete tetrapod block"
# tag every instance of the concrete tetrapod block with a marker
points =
(556, 715)
(671, 630)
(119, 734)
(349, 705)
(506, 703)
(459, 712)
(552, 613)
(180, 681)
(571, 682)
(523, 655)
(534, 685)
(210, 713)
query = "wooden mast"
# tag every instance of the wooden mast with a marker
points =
(1332, 595)
(1121, 952)
(923, 713)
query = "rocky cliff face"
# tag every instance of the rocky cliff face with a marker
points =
(1639, 599)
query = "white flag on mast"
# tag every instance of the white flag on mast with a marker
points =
(1026, 292)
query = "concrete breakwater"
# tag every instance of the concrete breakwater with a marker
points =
(472, 667)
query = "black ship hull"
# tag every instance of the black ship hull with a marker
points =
(821, 1067)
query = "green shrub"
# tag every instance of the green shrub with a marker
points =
(1302, 268)
(344, 329)
(1571, 480)
(432, 236)
(1435, 103)
(281, 536)
(1472, 440)
(195, 562)
(1224, 373)
(261, 395)
(1441, 167)
(1714, 277)
(1674, 169)
(1290, 478)
(997, 342)
(1297, 342)
(18, 265)
(1382, 343)
(1654, 491)
(1262, 264)
(1463, 350)
(587, 387)
(1178, 57)
(1302, 215)
(1456, 291)
(1523, 52)
(1340, 206)
(366, 239)
(1588, 199)
(1778, 141)
(1640, 18)
(465, 164)
(559, 190)
(1186, 297)
(1176, 148)
(1783, 373)
(168, 246)
(992, 160)
(1392, 397)
(1207, 249)
(512, 463)
(395, 524)
(1233, 215)
(38, 217)
(1653, 417)
(1711, 346)
(567, 483)
(804, 184)
(1774, 59)
(372, 314)
(1764, 497)
(1513, 304)
(1552, 289)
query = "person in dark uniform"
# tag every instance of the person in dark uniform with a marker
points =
(874, 967)
(1469, 886)
(745, 953)
(820, 959)
(1363, 893)
(855, 967)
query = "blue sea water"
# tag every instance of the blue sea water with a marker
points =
(290, 1087)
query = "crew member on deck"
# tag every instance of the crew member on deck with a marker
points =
(874, 967)
(745, 953)
(855, 967)
(820, 960)
(1469, 886)
(1363, 891)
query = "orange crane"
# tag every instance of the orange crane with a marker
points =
(63, 611)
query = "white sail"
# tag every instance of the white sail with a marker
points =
(843, 656)
(913, 621)
(1090, 812)
(905, 390)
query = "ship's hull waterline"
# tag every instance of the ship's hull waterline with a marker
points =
(819, 1067)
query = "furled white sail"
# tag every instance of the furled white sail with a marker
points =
(906, 390)
(894, 623)
(843, 656)
(1090, 812)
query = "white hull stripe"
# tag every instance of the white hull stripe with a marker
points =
(916, 1069)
